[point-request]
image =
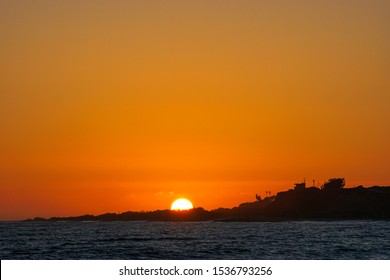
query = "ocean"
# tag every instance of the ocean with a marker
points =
(303, 240)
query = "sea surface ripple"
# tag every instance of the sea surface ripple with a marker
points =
(195, 240)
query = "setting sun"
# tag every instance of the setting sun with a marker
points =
(181, 204)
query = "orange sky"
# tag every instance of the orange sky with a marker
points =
(109, 106)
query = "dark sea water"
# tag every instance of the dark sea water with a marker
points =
(195, 240)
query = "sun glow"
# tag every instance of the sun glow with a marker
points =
(181, 204)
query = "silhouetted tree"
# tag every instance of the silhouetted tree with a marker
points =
(334, 184)
(258, 197)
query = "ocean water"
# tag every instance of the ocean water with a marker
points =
(195, 240)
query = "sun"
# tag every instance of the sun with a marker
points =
(181, 204)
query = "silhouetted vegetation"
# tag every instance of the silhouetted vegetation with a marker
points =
(333, 201)
(334, 184)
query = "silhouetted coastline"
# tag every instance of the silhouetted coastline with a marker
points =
(301, 203)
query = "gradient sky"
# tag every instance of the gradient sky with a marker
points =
(109, 106)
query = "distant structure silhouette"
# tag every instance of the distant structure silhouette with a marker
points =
(300, 186)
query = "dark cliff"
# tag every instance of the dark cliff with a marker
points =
(307, 203)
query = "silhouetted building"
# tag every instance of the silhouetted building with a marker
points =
(300, 186)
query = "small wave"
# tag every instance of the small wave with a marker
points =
(195, 241)
(145, 239)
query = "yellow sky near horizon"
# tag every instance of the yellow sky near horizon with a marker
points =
(109, 106)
